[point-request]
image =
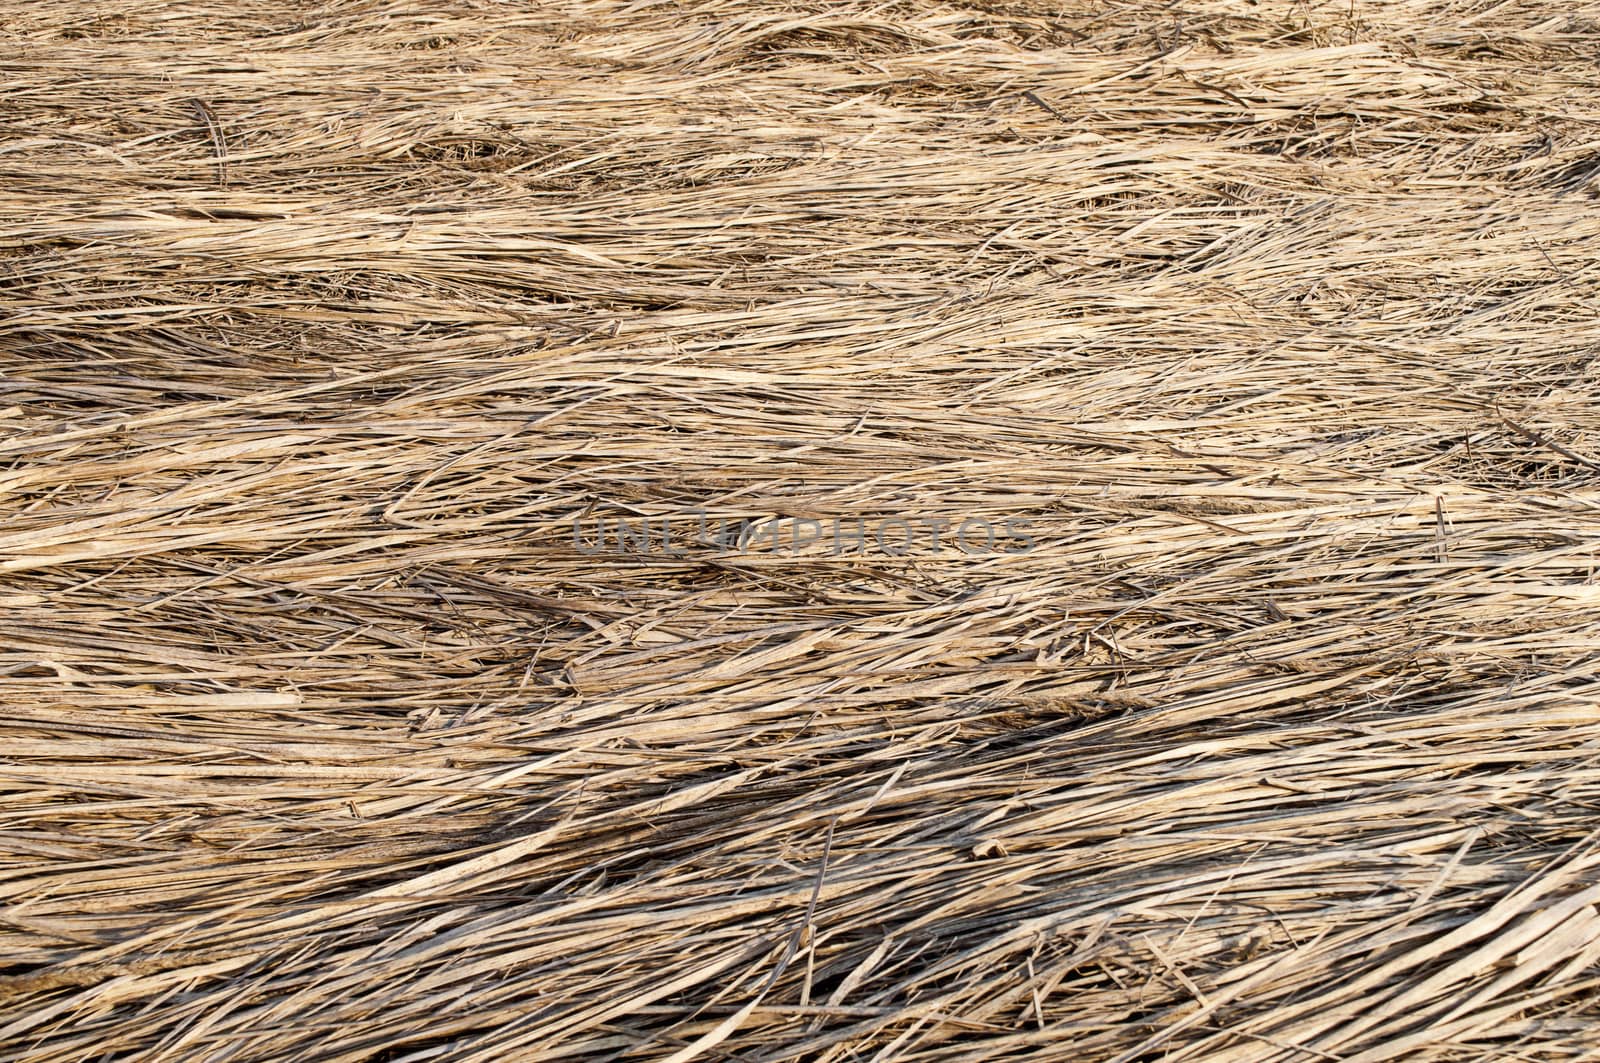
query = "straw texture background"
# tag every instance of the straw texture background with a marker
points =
(321, 324)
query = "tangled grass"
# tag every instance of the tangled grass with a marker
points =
(324, 327)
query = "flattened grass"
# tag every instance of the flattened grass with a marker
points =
(329, 332)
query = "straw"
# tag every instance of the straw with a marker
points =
(413, 639)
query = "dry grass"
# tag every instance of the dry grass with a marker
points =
(321, 323)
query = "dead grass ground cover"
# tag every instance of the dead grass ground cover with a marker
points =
(325, 738)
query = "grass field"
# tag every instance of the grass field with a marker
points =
(717, 530)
